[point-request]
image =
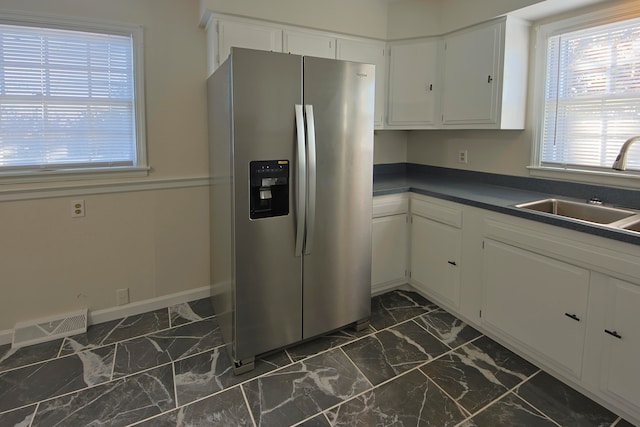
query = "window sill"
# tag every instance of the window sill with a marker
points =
(72, 175)
(613, 178)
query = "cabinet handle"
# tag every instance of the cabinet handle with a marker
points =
(572, 316)
(452, 262)
(613, 334)
(431, 87)
(489, 79)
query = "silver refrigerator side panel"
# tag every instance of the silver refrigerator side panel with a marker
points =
(268, 295)
(221, 198)
(337, 269)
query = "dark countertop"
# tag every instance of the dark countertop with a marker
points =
(499, 192)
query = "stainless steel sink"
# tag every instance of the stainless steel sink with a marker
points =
(634, 226)
(583, 211)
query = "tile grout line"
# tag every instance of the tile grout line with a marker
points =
(374, 332)
(33, 416)
(464, 410)
(38, 402)
(292, 362)
(506, 393)
(175, 385)
(246, 402)
(529, 403)
(116, 344)
(113, 363)
(102, 344)
(357, 368)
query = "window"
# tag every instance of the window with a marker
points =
(591, 90)
(70, 99)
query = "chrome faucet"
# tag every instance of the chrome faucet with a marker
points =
(621, 161)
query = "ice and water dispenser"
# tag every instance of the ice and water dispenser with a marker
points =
(269, 182)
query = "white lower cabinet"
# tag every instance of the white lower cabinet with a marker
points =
(620, 375)
(435, 259)
(436, 247)
(390, 244)
(389, 260)
(538, 301)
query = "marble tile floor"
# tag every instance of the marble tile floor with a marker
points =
(415, 365)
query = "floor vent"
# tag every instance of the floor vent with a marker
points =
(50, 328)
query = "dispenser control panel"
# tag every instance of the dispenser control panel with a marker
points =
(269, 188)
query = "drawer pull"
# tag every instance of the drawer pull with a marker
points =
(572, 316)
(452, 262)
(613, 334)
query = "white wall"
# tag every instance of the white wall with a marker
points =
(420, 18)
(414, 18)
(153, 242)
(390, 146)
(367, 18)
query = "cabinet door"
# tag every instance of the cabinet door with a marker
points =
(311, 44)
(389, 261)
(538, 301)
(412, 83)
(435, 258)
(620, 373)
(370, 53)
(471, 81)
(247, 35)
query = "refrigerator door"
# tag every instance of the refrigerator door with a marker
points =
(337, 262)
(268, 295)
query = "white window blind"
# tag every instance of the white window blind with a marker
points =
(592, 97)
(66, 99)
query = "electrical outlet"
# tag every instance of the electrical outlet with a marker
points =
(77, 208)
(122, 296)
(463, 156)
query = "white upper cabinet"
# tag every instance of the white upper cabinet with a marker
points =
(244, 34)
(309, 43)
(413, 84)
(474, 78)
(485, 76)
(470, 94)
(369, 52)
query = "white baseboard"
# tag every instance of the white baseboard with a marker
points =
(388, 286)
(6, 336)
(139, 307)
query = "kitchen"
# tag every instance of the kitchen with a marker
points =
(146, 236)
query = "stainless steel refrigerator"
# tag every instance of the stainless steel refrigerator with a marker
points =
(291, 154)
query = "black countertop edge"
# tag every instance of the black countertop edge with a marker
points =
(498, 193)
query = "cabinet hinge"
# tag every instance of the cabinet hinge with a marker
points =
(218, 27)
(480, 314)
(408, 274)
(483, 244)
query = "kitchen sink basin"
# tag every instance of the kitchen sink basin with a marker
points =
(583, 211)
(634, 226)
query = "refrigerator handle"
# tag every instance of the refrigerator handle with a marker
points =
(311, 185)
(301, 180)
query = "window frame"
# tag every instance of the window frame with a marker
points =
(141, 166)
(544, 30)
